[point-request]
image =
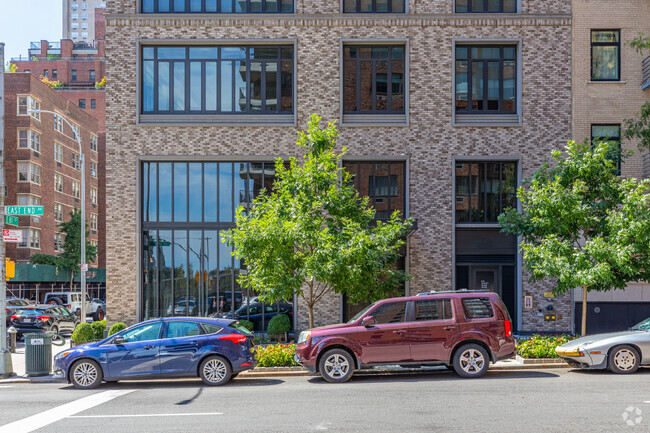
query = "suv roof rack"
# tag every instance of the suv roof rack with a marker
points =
(442, 292)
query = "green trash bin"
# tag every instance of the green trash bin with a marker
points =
(38, 354)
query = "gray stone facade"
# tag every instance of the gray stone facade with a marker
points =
(429, 142)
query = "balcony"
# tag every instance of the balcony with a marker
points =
(646, 73)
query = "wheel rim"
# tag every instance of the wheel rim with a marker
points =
(55, 331)
(85, 374)
(472, 361)
(336, 366)
(101, 315)
(624, 359)
(214, 370)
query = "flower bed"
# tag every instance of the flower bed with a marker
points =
(542, 346)
(276, 355)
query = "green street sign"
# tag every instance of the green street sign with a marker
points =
(11, 220)
(23, 210)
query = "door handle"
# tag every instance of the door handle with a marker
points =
(149, 346)
(449, 328)
(399, 331)
(196, 343)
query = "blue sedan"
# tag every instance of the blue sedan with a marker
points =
(216, 350)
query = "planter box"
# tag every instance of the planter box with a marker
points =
(532, 361)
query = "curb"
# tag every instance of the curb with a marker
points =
(36, 379)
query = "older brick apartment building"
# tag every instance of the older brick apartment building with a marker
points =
(444, 105)
(610, 81)
(42, 164)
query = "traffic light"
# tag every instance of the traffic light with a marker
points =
(10, 269)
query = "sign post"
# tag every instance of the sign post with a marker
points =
(6, 367)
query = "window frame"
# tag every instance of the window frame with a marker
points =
(405, 4)
(58, 207)
(93, 142)
(354, 119)
(140, 9)
(34, 235)
(93, 222)
(500, 11)
(58, 156)
(604, 44)
(58, 122)
(27, 139)
(56, 183)
(489, 119)
(618, 139)
(76, 189)
(220, 119)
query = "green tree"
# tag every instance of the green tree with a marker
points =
(313, 234)
(70, 258)
(583, 225)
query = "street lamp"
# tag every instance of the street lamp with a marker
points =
(77, 135)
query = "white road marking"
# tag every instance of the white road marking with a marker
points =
(6, 386)
(646, 401)
(58, 413)
(145, 414)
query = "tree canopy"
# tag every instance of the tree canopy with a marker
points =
(582, 224)
(313, 234)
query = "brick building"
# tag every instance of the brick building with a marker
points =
(444, 108)
(42, 164)
(609, 87)
(80, 22)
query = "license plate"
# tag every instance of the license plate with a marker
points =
(27, 320)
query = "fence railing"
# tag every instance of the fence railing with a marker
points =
(646, 73)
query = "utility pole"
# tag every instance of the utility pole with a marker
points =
(6, 367)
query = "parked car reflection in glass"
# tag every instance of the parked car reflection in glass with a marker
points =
(260, 313)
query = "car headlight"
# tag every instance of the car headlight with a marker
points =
(63, 354)
(304, 336)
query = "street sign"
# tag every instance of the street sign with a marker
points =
(11, 220)
(12, 236)
(84, 267)
(23, 210)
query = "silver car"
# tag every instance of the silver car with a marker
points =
(620, 352)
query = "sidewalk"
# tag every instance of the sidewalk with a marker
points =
(18, 364)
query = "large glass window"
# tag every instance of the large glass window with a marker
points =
(383, 182)
(605, 55)
(373, 79)
(217, 80)
(217, 6)
(486, 79)
(373, 6)
(486, 6)
(484, 190)
(187, 269)
(611, 134)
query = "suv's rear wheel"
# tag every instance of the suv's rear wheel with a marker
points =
(471, 360)
(54, 301)
(98, 315)
(336, 366)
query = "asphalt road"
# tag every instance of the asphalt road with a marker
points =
(546, 400)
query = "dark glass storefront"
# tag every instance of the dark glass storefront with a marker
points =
(187, 269)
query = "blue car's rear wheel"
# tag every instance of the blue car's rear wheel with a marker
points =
(86, 374)
(215, 371)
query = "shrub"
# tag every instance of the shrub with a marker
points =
(276, 355)
(117, 327)
(98, 329)
(247, 324)
(261, 339)
(279, 324)
(542, 346)
(83, 333)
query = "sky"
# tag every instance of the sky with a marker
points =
(25, 21)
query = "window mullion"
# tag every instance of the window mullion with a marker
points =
(486, 86)
(468, 78)
(374, 85)
(501, 83)
(389, 83)
(278, 83)
(263, 86)
(358, 84)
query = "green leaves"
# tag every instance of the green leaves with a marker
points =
(314, 234)
(582, 224)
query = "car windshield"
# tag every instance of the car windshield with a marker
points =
(31, 312)
(361, 313)
(16, 302)
(240, 328)
(643, 326)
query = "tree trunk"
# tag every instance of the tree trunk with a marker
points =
(310, 309)
(584, 311)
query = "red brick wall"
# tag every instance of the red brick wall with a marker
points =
(25, 84)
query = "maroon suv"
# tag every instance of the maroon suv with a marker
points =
(463, 329)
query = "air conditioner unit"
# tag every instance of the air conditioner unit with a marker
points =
(93, 173)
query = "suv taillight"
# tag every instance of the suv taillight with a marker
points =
(43, 318)
(508, 325)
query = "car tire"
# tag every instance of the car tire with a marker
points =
(54, 301)
(234, 375)
(623, 359)
(86, 374)
(471, 361)
(55, 331)
(98, 315)
(215, 371)
(336, 366)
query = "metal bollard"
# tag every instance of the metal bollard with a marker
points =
(12, 342)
